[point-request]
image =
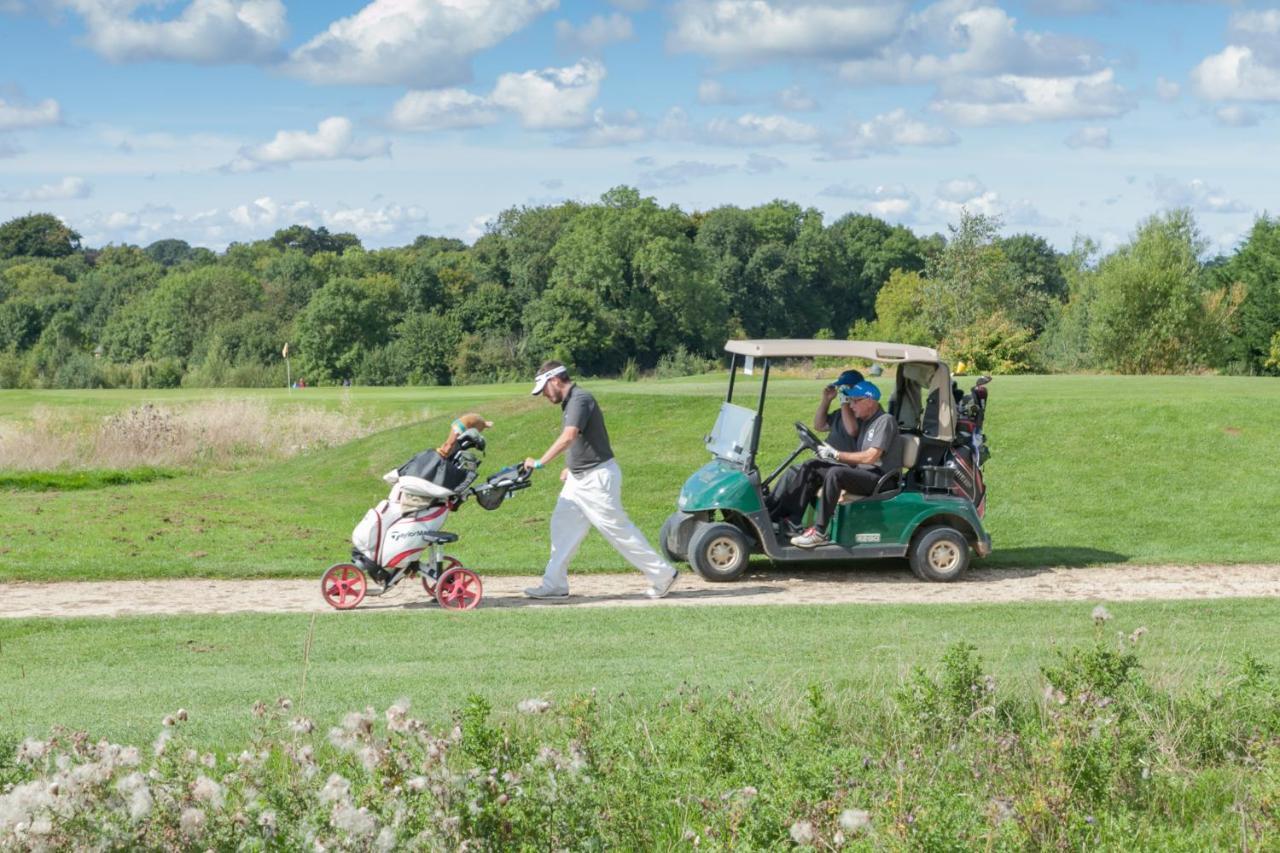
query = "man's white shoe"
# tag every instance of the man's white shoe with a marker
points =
(545, 592)
(661, 588)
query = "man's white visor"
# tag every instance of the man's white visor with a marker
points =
(541, 379)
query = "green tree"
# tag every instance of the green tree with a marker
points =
(900, 311)
(1256, 265)
(1038, 262)
(37, 235)
(1150, 314)
(865, 252)
(345, 319)
(187, 304)
(310, 240)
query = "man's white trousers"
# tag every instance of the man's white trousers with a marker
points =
(595, 500)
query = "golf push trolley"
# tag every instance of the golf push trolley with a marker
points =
(402, 538)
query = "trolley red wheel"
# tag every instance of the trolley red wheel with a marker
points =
(446, 564)
(343, 586)
(459, 589)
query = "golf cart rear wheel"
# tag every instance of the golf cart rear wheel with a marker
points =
(673, 555)
(939, 554)
(719, 552)
(343, 586)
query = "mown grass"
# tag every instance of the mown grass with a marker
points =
(1085, 470)
(118, 677)
(70, 481)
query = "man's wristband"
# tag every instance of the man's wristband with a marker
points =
(537, 463)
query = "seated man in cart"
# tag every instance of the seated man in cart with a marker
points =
(857, 472)
(799, 486)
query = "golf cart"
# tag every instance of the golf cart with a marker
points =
(929, 512)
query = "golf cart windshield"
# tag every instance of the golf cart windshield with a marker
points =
(730, 438)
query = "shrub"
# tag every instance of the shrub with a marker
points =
(682, 362)
(993, 344)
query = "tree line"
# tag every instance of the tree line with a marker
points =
(621, 286)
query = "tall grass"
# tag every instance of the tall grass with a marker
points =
(219, 433)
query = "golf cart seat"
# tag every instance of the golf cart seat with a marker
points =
(892, 480)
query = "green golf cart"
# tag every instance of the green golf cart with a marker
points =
(929, 512)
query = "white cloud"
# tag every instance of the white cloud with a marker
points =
(796, 100)
(64, 190)
(553, 97)
(9, 149)
(751, 31)
(592, 36)
(1167, 90)
(424, 43)
(886, 133)
(1236, 74)
(441, 109)
(14, 116)
(960, 189)
(334, 139)
(1011, 99)
(762, 164)
(752, 129)
(1090, 137)
(390, 224)
(679, 174)
(961, 194)
(952, 39)
(1195, 194)
(715, 93)
(1236, 116)
(608, 130)
(893, 202)
(206, 31)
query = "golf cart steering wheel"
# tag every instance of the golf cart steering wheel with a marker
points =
(807, 438)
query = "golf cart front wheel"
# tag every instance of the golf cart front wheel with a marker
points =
(719, 552)
(343, 586)
(939, 554)
(673, 555)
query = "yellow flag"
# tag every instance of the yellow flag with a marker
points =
(285, 351)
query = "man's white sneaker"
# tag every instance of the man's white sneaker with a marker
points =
(661, 588)
(811, 538)
(545, 592)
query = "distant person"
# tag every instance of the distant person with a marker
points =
(592, 492)
(799, 486)
(876, 454)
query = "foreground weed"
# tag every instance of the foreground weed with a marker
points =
(1098, 759)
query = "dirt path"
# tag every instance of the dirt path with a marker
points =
(879, 586)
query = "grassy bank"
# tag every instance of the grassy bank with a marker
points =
(1085, 470)
(1153, 729)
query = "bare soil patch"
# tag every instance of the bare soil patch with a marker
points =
(889, 585)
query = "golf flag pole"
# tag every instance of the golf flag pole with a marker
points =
(288, 373)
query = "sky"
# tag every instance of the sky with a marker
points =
(216, 121)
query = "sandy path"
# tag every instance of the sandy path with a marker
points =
(889, 585)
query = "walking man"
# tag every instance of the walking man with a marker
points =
(592, 492)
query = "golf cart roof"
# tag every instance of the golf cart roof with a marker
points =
(802, 348)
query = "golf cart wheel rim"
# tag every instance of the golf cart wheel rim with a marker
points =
(459, 589)
(943, 556)
(343, 586)
(446, 564)
(723, 553)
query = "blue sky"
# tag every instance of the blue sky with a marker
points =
(223, 120)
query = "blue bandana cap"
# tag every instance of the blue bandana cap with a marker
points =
(860, 390)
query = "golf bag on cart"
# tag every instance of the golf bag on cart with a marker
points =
(957, 468)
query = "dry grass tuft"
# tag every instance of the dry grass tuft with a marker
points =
(221, 433)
